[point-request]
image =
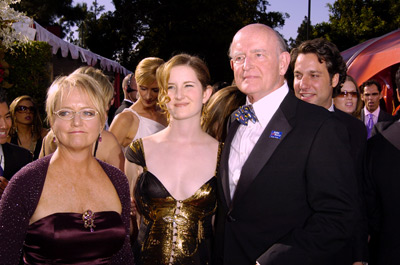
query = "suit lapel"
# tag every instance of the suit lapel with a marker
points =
(224, 170)
(362, 115)
(262, 152)
(6, 157)
(275, 132)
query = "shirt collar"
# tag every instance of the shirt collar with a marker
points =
(331, 108)
(267, 106)
(375, 113)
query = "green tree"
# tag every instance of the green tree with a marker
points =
(52, 13)
(354, 21)
(301, 34)
(201, 27)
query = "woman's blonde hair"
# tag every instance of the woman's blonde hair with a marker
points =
(62, 86)
(105, 84)
(145, 73)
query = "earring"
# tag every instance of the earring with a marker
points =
(100, 138)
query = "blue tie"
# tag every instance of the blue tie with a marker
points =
(370, 125)
(244, 114)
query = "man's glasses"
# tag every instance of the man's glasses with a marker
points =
(25, 109)
(347, 94)
(85, 114)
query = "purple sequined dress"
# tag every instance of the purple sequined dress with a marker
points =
(61, 238)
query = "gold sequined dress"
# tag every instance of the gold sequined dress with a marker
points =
(171, 231)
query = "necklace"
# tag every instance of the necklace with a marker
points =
(32, 144)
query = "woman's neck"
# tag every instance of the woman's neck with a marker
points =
(24, 129)
(187, 130)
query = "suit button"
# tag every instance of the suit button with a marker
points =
(230, 218)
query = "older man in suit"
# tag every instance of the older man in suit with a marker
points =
(12, 157)
(286, 179)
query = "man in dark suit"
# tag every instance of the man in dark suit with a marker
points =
(371, 94)
(382, 193)
(130, 90)
(286, 180)
(319, 72)
(12, 157)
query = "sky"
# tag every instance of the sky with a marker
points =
(297, 9)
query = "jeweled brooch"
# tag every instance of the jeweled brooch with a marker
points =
(88, 219)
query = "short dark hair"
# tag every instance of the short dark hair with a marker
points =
(3, 96)
(326, 52)
(370, 82)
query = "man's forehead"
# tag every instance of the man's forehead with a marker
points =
(371, 88)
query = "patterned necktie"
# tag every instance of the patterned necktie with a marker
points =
(244, 114)
(370, 125)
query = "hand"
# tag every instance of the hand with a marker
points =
(3, 184)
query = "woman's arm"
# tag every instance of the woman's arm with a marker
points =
(110, 151)
(121, 128)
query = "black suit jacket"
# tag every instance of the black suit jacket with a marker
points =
(382, 195)
(383, 116)
(358, 251)
(125, 104)
(295, 200)
(15, 158)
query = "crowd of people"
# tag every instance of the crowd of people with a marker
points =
(260, 171)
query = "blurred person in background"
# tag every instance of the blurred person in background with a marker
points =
(348, 99)
(144, 117)
(27, 130)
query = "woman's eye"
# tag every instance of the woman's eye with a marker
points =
(89, 113)
(64, 113)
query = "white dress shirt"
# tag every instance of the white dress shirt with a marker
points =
(1, 156)
(246, 137)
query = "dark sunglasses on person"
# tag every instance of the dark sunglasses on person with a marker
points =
(25, 109)
(346, 94)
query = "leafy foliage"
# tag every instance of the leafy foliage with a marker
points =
(201, 27)
(30, 71)
(52, 13)
(354, 21)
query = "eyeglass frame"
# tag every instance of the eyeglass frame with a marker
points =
(25, 109)
(79, 112)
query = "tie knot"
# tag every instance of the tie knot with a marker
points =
(244, 114)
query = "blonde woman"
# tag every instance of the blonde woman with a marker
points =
(68, 207)
(144, 117)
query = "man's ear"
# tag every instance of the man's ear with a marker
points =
(335, 80)
(207, 93)
(284, 61)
